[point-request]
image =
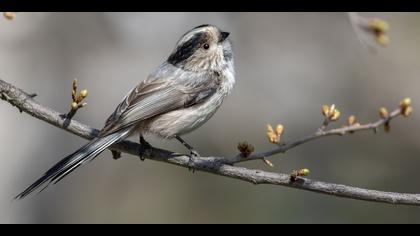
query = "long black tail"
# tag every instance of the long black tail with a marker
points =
(74, 160)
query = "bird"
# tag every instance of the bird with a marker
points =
(178, 97)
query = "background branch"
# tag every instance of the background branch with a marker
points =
(371, 32)
(216, 165)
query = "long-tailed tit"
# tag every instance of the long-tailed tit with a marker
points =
(176, 98)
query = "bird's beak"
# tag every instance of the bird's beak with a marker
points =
(223, 36)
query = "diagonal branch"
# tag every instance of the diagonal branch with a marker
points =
(216, 165)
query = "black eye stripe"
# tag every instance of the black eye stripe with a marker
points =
(187, 49)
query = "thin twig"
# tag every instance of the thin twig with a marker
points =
(214, 165)
(319, 134)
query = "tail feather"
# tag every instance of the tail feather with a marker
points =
(74, 160)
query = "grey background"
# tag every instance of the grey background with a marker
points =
(288, 65)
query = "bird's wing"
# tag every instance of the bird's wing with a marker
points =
(165, 90)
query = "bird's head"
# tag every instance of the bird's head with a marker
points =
(204, 47)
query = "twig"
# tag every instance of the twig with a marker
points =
(319, 134)
(215, 165)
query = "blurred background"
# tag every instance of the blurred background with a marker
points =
(288, 65)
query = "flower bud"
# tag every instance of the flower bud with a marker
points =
(267, 162)
(274, 136)
(383, 113)
(325, 110)
(407, 111)
(405, 102)
(74, 105)
(75, 84)
(379, 25)
(279, 129)
(9, 15)
(245, 148)
(299, 173)
(382, 39)
(303, 172)
(336, 115)
(84, 93)
(351, 120)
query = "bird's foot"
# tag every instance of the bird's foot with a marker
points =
(144, 146)
(193, 154)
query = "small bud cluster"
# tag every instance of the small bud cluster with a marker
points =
(78, 98)
(380, 29)
(331, 113)
(245, 148)
(299, 173)
(406, 108)
(274, 136)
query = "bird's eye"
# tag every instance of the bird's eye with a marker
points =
(206, 46)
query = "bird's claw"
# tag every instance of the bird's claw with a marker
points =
(141, 154)
(144, 145)
(193, 155)
(142, 150)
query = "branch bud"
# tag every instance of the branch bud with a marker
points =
(407, 112)
(383, 113)
(379, 25)
(336, 115)
(74, 105)
(382, 39)
(325, 110)
(330, 112)
(351, 120)
(406, 108)
(9, 15)
(405, 102)
(245, 148)
(299, 173)
(84, 93)
(279, 129)
(267, 162)
(74, 84)
(275, 136)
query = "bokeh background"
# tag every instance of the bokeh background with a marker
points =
(288, 65)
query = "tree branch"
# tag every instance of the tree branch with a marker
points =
(217, 165)
(282, 148)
